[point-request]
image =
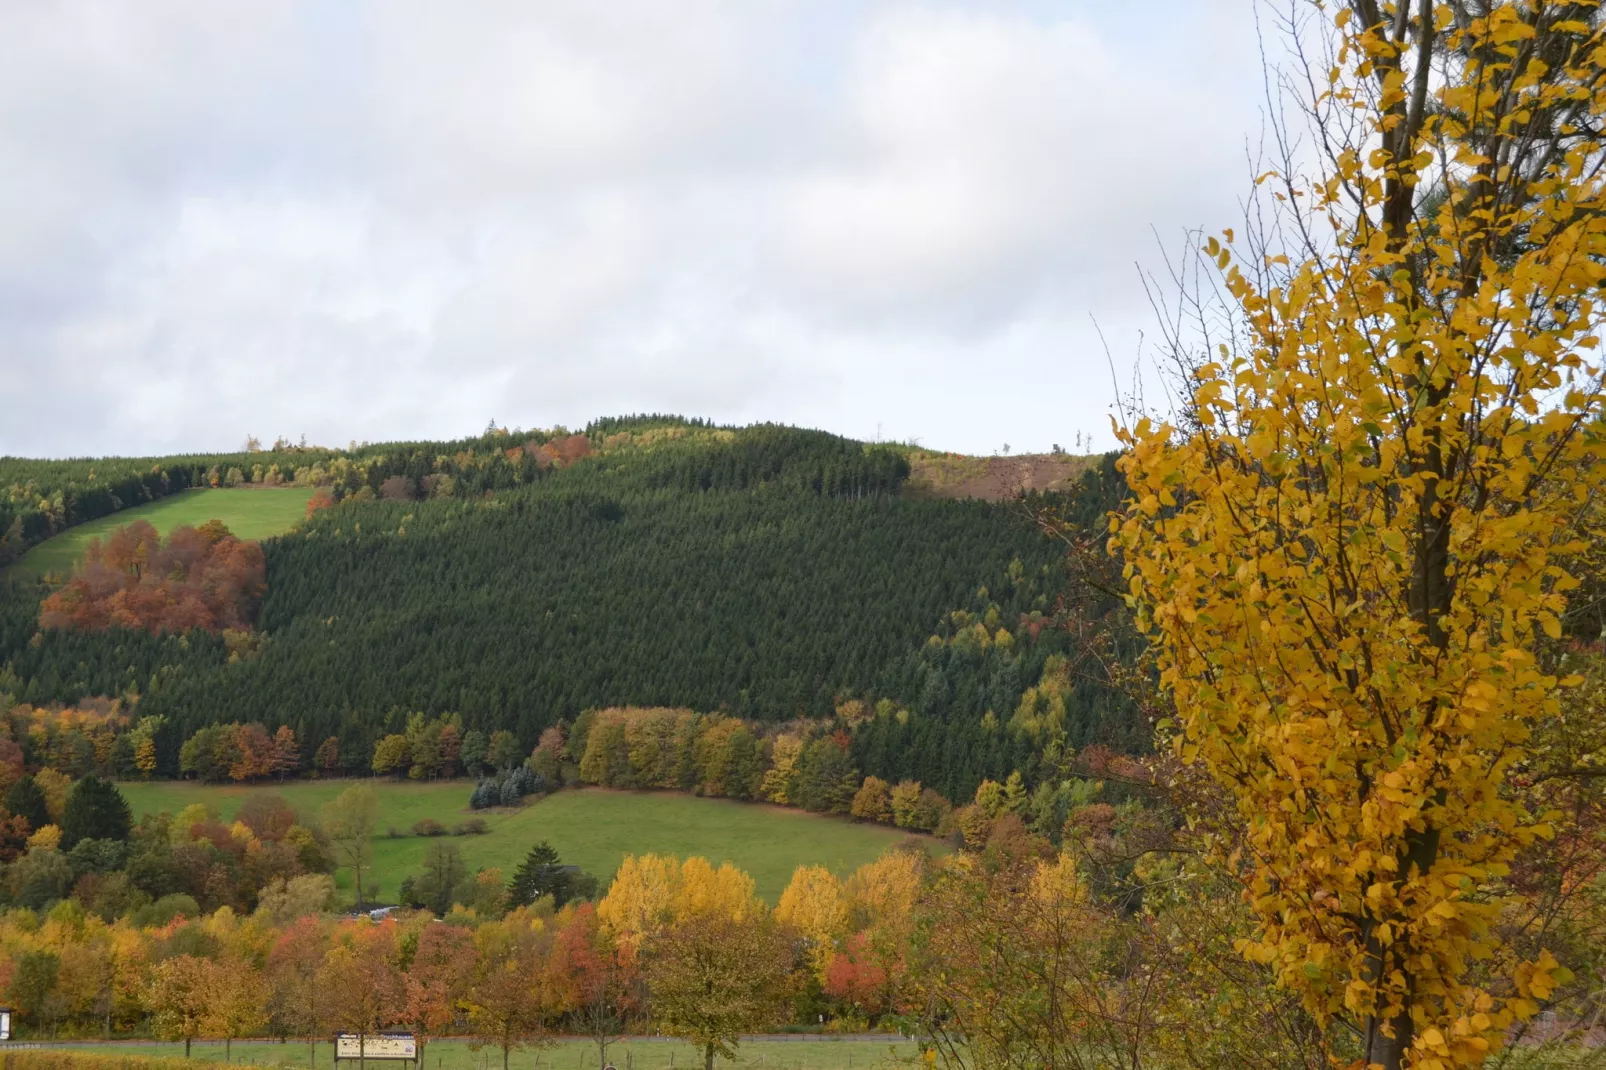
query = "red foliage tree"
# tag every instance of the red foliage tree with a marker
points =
(199, 578)
(320, 500)
(597, 980)
(855, 977)
(254, 753)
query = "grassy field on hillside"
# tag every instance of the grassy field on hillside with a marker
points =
(251, 514)
(640, 1053)
(591, 828)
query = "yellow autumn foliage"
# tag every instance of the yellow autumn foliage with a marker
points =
(813, 905)
(1351, 541)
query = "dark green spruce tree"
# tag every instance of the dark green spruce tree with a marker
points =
(95, 810)
(541, 873)
(26, 800)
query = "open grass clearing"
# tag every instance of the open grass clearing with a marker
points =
(258, 513)
(591, 828)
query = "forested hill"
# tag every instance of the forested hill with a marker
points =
(770, 572)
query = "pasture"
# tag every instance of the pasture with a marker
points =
(258, 513)
(591, 828)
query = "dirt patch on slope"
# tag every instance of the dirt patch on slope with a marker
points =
(955, 475)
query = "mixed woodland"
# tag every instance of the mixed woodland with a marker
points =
(765, 574)
(1278, 741)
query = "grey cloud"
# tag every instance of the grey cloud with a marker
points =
(397, 219)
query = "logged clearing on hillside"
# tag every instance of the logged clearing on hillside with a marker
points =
(257, 513)
(591, 828)
(993, 479)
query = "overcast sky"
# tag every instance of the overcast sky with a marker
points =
(397, 219)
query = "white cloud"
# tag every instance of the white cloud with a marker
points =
(397, 219)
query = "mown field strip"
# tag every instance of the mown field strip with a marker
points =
(259, 513)
(591, 828)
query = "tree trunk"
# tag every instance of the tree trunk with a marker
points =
(312, 1050)
(186, 1047)
(228, 1049)
(708, 1056)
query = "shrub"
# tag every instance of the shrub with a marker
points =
(429, 827)
(474, 826)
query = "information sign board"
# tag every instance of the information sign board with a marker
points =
(376, 1046)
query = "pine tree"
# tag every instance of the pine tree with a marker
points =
(539, 874)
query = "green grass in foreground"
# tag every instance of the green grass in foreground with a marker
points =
(258, 513)
(591, 828)
(637, 1054)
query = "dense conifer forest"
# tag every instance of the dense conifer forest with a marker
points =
(767, 572)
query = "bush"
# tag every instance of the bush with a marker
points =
(429, 827)
(474, 826)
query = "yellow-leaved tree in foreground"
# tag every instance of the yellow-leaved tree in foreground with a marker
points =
(1349, 539)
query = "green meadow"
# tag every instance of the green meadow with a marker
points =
(591, 828)
(638, 1053)
(258, 513)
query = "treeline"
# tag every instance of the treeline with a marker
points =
(1015, 948)
(41, 498)
(809, 765)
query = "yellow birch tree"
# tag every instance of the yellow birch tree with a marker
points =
(1347, 541)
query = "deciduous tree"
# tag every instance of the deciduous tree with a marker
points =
(298, 1002)
(713, 978)
(177, 993)
(361, 980)
(873, 801)
(236, 1001)
(437, 979)
(813, 905)
(1347, 542)
(349, 821)
(599, 981)
(505, 1006)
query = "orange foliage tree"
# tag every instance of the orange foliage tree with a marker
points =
(198, 578)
